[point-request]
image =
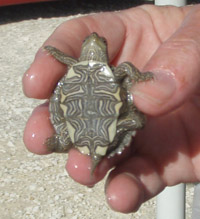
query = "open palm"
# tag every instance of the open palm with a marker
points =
(164, 40)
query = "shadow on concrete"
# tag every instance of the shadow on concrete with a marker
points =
(61, 8)
(17, 13)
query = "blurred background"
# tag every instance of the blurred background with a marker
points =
(32, 9)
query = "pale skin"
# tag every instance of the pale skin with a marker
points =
(163, 40)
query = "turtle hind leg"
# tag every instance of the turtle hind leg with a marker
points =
(56, 144)
(120, 143)
(60, 56)
(128, 123)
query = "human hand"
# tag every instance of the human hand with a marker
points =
(164, 40)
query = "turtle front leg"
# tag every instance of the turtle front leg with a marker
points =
(133, 74)
(60, 56)
(59, 142)
(131, 118)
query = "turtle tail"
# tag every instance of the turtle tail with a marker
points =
(95, 162)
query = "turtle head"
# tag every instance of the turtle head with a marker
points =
(94, 48)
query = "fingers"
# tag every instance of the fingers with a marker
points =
(133, 183)
(176, 67)
(163, 158)
(175, 63)
(139, 179)
(79, 166)
(43, 75)
(37, 130)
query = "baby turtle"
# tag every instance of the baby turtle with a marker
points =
(92, 108)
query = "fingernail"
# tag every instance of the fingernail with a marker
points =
(160, 90)
(141, 194)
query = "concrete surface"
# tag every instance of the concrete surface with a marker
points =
(33, 186)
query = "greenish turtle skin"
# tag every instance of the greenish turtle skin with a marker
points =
(92, 108)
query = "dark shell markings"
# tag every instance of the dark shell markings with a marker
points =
(91, 108)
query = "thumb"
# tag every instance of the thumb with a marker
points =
(176, 66)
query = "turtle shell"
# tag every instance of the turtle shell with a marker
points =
(89, 99)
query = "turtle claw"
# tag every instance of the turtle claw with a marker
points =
(52, 143)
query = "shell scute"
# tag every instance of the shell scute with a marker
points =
(92, 103)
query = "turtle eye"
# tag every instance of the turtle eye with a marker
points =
(104, 40)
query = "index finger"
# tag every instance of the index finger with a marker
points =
(44, 73)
